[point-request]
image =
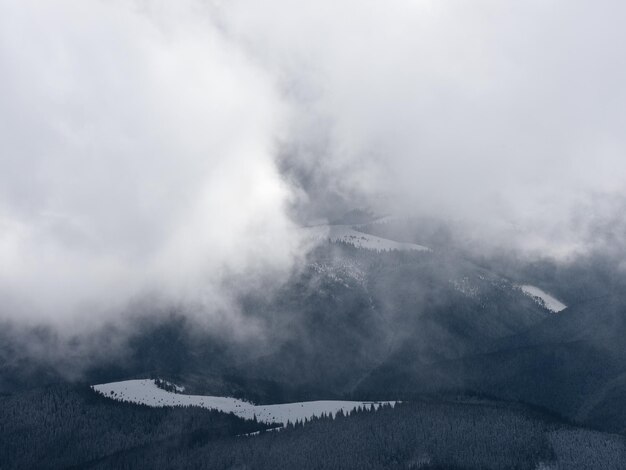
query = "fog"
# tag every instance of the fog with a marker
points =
(137, 159)
(171, 151)
(506, 117)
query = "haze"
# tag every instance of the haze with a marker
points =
(148, 148)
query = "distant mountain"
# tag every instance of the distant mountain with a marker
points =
(74, 427)
(359, 322)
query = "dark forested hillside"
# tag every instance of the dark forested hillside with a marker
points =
(355, 324)
(345, 313)
(574, 363)
(65, 426)
(61, 427)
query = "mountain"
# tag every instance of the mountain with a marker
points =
(75, 427)
(416, 318)
(572, 362)
(359, 302)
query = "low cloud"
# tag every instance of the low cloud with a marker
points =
(137, 160)
(506, 118)
(151, 150)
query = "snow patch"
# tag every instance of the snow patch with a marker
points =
(543, 298)
(340, 271)
(347, 234)
(146, 392)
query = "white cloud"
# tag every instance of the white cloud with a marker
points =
(137, 156)
(138, 139)
(502, 114)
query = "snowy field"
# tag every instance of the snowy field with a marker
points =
(543, 298)
(146, 392)
(347, 234)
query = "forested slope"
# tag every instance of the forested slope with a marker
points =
(63, 427)
(427, 435)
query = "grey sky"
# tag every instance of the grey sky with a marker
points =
(137, 156)
(143, 146)
(501, 114)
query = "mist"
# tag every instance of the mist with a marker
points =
(172, 152)
(505, 118)
(137, 160)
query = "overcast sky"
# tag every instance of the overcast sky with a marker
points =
(159, 147)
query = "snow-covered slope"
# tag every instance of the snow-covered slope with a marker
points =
(543, 298)
(146, 392)
(347, 234)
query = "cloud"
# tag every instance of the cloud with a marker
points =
(159, 149)
(506, 116)
(137, 157)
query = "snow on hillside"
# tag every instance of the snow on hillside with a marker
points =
(543, 298)
(341, 270)
(347, 234)
(146, 392)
